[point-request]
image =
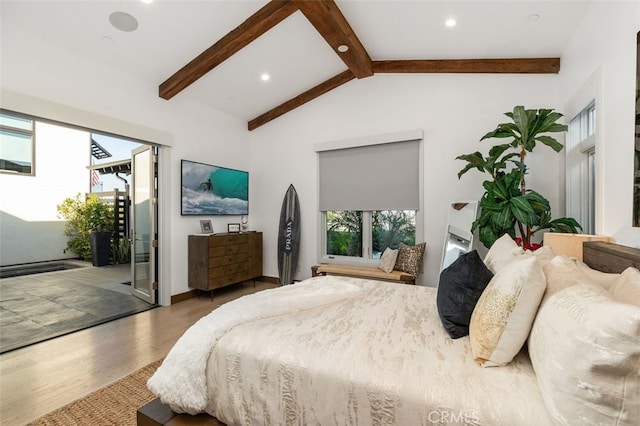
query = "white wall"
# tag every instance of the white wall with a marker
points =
(454, 111)
(600, 62)
(31, 230)
(108, 100)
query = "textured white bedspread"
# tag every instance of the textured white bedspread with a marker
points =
(180, 381)
(373, 354)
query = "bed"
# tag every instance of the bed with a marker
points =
(350, 351)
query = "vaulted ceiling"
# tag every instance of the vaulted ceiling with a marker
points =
(215, 51)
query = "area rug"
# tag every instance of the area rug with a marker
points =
(115, 404)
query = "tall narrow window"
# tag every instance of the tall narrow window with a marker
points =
(16, 144)
(590, 226)
(582, 149)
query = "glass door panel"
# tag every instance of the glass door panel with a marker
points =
(143, 199)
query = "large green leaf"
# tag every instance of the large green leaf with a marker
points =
(474, 161)
(550, 142)
(537, 202)
(503, 219)
(487, 236)
(500, 190)
(497, 150)
(521, 120)
(521, 203)
(563, 224)
(499, 133)
(557, 128)
(548, 120)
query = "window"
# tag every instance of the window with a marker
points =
(346, 236)
(581, 163)
(16, 144)
(369, 198)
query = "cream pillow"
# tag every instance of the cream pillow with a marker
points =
(388, 259)
(544, 255)
(562, 272)
(502, 318)
(585, 350)
(626, 289)
(603, 279)
(502, 252)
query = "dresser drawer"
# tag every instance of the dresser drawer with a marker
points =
(228, 260)
(226, 280)
(223, 270)
(223, 240)
(217, 251)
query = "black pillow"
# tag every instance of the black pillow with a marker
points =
(460, 287)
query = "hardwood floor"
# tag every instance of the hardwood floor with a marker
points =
(40, 378)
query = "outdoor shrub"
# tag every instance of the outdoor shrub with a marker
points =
(82, 218)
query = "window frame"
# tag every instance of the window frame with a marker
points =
(367, 241)
(367, 234)
(31, 133)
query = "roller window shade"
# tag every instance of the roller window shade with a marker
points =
(372, 177)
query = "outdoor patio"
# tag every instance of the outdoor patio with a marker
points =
(38, 307)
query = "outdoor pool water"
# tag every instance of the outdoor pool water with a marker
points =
(38, 268)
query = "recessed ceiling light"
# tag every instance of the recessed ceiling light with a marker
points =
(265, 77)
(343, 48)
(123, 21)
(450, 22)
(147, 1)
(533, 17)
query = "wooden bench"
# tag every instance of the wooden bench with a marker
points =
(362, 272)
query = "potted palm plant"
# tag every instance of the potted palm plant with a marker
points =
(508, 206)
(89, 227)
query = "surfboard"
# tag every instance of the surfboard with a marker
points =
(288, 236)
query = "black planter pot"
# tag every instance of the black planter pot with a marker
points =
(100, 247)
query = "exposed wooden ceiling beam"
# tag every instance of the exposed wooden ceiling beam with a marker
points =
(494, 66)
(302, 99)
(478, 66)
(329, 21)
(257, 24)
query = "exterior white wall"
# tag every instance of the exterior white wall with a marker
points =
(31, 230)
(600, 62)
(111, 101)
(454, 111)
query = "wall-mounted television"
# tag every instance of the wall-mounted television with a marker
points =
(212, 190)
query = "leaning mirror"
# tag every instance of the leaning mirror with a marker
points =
(458, 237)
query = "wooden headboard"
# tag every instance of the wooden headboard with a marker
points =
(610, 257)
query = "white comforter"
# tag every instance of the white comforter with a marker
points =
(341, 351)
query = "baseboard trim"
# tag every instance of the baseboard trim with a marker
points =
(181, 297)
(270, 280)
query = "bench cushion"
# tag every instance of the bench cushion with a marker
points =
(364, 272)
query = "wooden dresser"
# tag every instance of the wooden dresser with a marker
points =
(222, 259)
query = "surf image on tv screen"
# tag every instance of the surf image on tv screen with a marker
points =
(213, 190)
